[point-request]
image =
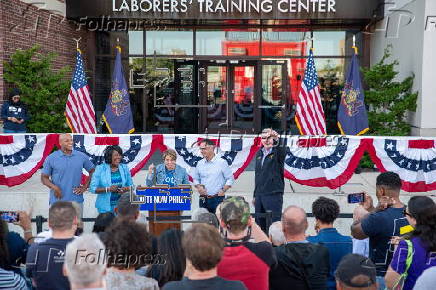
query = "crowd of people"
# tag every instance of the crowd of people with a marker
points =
(392, 245)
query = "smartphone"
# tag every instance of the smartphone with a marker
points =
(10, 216)
(356, 197)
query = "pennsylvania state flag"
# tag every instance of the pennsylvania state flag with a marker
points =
(118, 114)
(352, 115)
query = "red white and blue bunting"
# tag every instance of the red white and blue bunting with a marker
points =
(137, 149)
(413, 160)
(321, 161)
(237, 151)
(21, 155)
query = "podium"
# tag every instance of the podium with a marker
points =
(156, 228)
(164, 202)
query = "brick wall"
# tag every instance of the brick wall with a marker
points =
(23, 25)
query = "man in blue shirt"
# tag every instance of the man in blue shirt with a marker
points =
(44, 261)
(381, 223)
(62, 172)
(326, 211)
(212, 176)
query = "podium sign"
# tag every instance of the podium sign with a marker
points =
(164, 198)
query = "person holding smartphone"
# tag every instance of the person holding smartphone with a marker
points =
(16, 246)
(382, 222)
(269, 177)
(111, 179)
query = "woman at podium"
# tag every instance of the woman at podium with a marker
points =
(167, 173)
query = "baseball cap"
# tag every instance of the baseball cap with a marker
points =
(356, 271)
(235, 209)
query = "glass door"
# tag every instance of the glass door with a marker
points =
(213, 89)
(228, 90)
(242, 95)
(273, 105)
(186, 97)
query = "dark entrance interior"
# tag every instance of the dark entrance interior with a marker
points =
(231, 96)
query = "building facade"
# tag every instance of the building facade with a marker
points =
(223, 66)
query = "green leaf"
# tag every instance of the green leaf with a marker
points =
(43, 89)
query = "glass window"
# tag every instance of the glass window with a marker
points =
(170, 82)
(136, 42)
(107, 41)
(329, 42)
(283, 43)
(227, 42)
(169, 42)
(331, 84)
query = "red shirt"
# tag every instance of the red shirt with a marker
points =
(249, 263)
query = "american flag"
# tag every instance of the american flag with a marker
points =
(310, 114)
(79, 110)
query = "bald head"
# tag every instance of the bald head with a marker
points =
(66, 142)
(294, 221)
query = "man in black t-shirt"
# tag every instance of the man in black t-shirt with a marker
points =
(382, 223)
(203, 248)
(45, 260)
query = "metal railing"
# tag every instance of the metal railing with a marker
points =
(40, 220)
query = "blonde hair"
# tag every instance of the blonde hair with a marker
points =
(171, 153)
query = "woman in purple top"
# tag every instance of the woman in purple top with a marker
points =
(421, 214)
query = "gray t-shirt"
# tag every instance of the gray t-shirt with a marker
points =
(129, 280)
(427, 280)
(215, 283)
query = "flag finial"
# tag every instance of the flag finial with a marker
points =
(356, 50)
(77, 43)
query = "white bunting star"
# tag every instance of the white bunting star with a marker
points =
(136, 141)
(390, 146)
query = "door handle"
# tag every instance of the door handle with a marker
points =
(272, 107)
(225, 124)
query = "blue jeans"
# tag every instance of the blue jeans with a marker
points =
(381, 283)
(211, 203)
(13, 131)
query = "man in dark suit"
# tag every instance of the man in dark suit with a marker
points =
(269, 174)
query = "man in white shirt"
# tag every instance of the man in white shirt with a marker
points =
(212, 176)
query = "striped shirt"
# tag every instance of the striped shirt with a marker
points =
(11, 280)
